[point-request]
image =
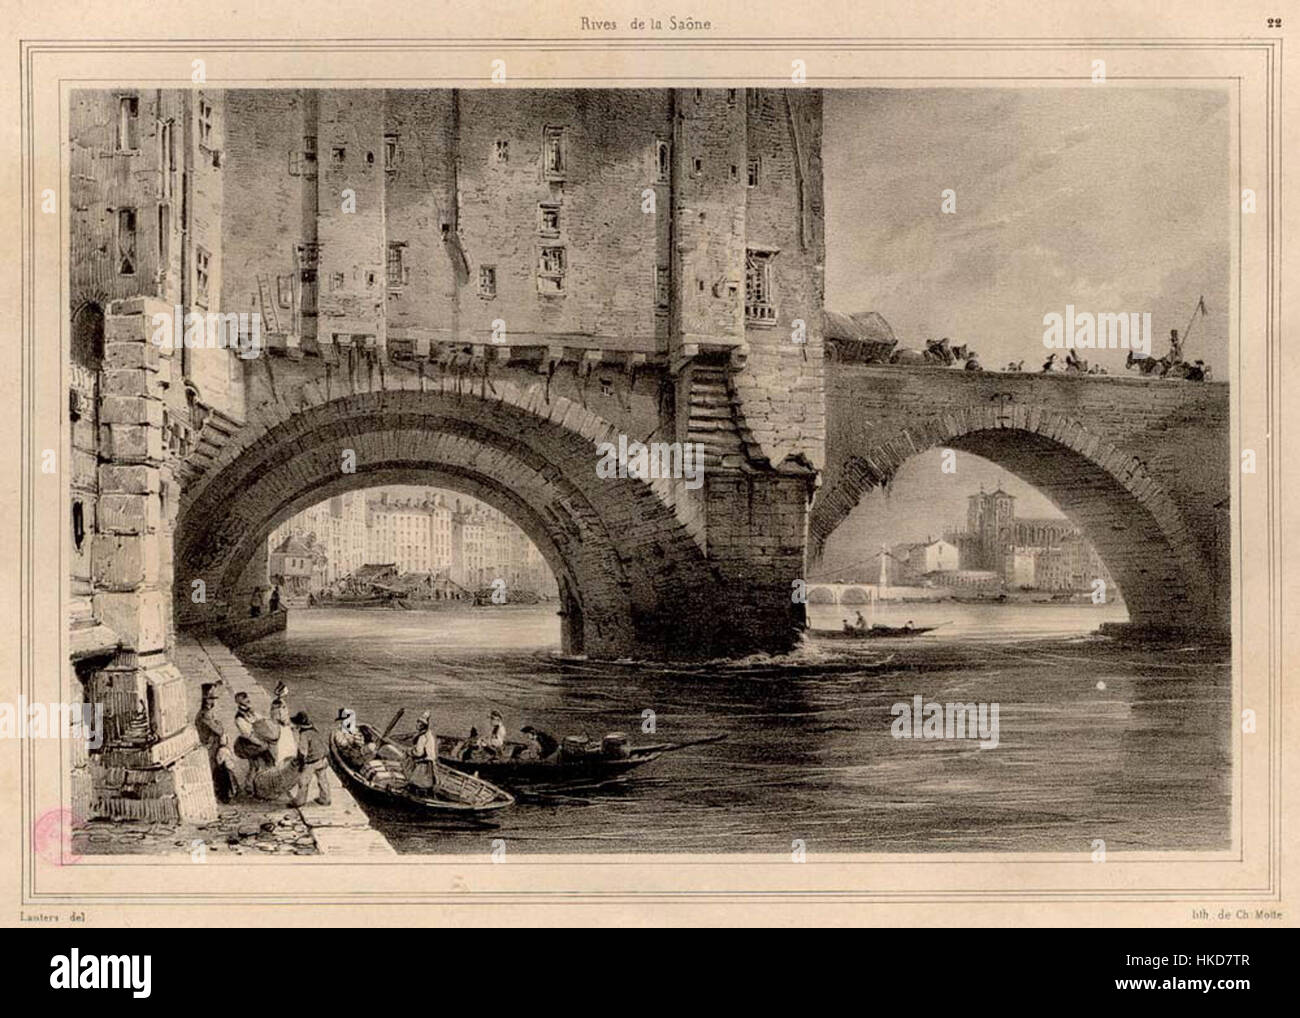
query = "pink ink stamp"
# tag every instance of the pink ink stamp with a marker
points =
(52, 836)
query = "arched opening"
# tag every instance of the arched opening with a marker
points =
(88, 336)
(627, 571)
(412, 548)
(1115, 530)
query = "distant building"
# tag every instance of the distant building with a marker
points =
(1045, 553)
(912, 563)
(297, 566)
(467, 544)
(977, 580)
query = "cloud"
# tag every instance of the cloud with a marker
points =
(1110, 199)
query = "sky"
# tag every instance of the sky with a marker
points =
(1109, 198)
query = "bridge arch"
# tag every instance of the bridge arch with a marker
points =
(631, 577)
(1129, 518)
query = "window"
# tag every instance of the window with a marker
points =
(396, 267)
(699, 95)
(735, 172)
(284, 291)
(548, 220)
(501, 150)
(753, 100)
(202, 268)
(126, 242)
(167, 155)
(663, 162)
(731, 97)
(304, 163)
(390, 151)
(487, 280)
(370, 279)
(78, 524)
(164, 237)
(308, 255)
(697, 166)
(550, 270)
(128, 123)
(661, 287)
(553, 162)
(336, 280)
(754, 172)
(205, 123)
(760, 303)
(338, 154)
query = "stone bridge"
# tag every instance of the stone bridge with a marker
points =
(1142, 466)
(476, 289)
(642, 566)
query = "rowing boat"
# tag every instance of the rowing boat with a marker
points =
(869, 633)
(381, 778)
(570, 762)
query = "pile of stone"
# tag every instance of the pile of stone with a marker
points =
(236, 833)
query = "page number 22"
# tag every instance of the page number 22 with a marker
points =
(1274, 22)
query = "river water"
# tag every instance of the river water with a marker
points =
(1095, 739)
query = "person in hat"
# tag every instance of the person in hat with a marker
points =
(1175, 347)
(286, 746)
(210, 729)
(249, 745)
(475, 749)
(422, 770)
(313, 762)
(496, 736)
(351, 739)
(540, 744)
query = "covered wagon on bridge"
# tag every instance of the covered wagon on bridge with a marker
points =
(863, 337)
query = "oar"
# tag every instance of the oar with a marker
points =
(393, 724)
(671, 747)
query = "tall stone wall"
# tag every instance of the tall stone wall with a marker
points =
(150, 765)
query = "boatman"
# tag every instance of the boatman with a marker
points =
(423, 771)
(313, 762)
(496, 737)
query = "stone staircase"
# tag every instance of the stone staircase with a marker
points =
(712, 416)
(212, 435)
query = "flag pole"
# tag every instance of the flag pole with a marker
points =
(1200, 306)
